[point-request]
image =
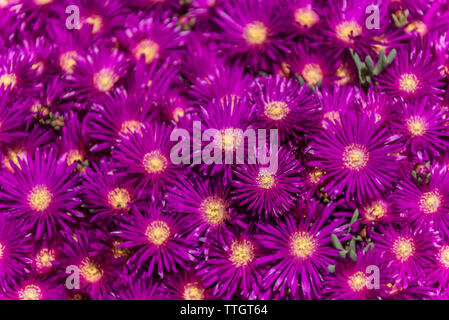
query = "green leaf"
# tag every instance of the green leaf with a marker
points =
(369, 63)
(352, 245)
(331, 268)
(391, 56)
(369, 246)
(355, 216)
(300, 79)
(353, 255)
(414, 174)
(343, 253)
(335, 242)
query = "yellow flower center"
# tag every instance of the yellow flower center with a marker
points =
(355, 157)
(377, 210)
(42, 2)
(214, 210)
(333, 116)
(357, 281)
(178, 113)
(119, 198)
(39, 198)
(408, 82)
(231, 139)
(119, 252)
(242, 253)
(131, 126)
(39, 67)
(255, 33)
(430, 202)
(276, 110)
(105, 79)
(8, 79)
(192, 291)
(73, 156)
(348, 30)
(96, 22)
(444, 256)
(265, 179)
(147, 48)
(312, 73)
(417, 26)
(67, 61)
(315, 175)
(343, 74)
(302, 245)
(30, 292)
(306, 18)
(90, 270)
(45, 258)
(403, 248)
(154, 162)
(416, 126)
(158, 232)
(14, 156)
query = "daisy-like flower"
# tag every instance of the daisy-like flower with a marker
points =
(35, 288)
(121, 114)
(345, 26)
(413, 74)
(107, 193)
(73, 143)
(154, 38)
(102, 17)
(299, 250)
(144, 158)
(231, 265)
(281, 104)
(45, 257)
(86, 251)
(357, 155)
(266, 192)
(423, 127)
(187, 286)
(206, 203)
(40, 51)
(376, 104)
(334, 101)
(431, 24)
(408, 251)
(251, 30)
(159, 242)
(367, 278)
(306, 15)
(15, 247)
(17, 73)
(377, 211)
(426, 203)
(97, 73)
(42, 192)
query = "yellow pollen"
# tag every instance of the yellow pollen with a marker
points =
(148, 48)
(73, 156)
(265, 179)
(45, 258)
(42, 2)
(39, 67)
(381, 45)
(302, 245)
(377, 210)
(214, 210)
(312, 73)
(96, 22)
(333, 116)
(255, 33)
(276, 110)
(105, 79)
(67, 61)
(154, 162)
(14, 156)
(444, 256)
(131, 126)
(90, 270)
(192, 291)
(8, 79)
(408, 82)
(2, 250)
(30, 292)
(231, 139)
(355, 157)
(417, 26)
(158, 232)
(416, 126)
(316, 175)
(430, 202)
(348, 30)
(357, 281)
(39, 198)
(343, 74)
(403, 248)
(242, 253)
(306, 18)
(178, 113)
(119, 198)
(119, 252)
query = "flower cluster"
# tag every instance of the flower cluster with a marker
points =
(94, 203)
